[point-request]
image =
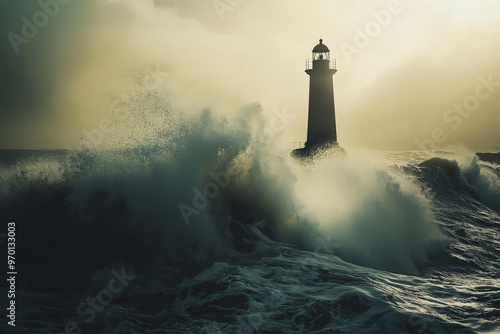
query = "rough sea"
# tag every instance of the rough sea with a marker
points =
(216, 229)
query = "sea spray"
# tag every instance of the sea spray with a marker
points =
(372, 214)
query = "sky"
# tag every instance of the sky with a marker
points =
(411, 74)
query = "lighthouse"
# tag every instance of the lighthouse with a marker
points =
(321, 125)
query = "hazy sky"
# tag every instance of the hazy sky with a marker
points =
(407, 70)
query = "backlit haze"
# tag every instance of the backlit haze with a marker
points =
(393, 87)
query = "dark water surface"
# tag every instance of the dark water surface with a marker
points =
(234, 240)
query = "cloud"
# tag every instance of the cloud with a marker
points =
(30, 71)
(394, 91)
(408, 101)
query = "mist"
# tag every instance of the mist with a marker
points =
(392, 93)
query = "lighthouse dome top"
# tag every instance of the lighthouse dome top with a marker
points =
(320, 48)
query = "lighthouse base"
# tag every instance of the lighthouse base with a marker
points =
(311, 151)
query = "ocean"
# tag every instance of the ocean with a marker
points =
(219, 230)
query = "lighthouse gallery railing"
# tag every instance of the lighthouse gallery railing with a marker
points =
(332, 65)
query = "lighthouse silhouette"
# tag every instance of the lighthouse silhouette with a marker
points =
(321, 125)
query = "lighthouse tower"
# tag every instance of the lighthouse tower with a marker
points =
(321, 126)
